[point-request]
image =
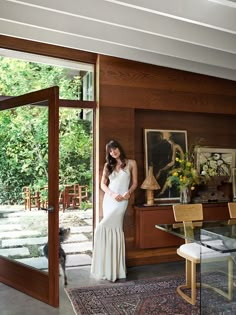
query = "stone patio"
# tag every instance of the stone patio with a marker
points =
(24, 233)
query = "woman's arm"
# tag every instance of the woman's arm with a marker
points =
(105, 188)
(134, 172)
(105, 180)
(134, 179)
(175, 149)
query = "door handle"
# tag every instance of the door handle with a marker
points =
(49, 209)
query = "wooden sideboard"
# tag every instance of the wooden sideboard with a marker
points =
(148, 237)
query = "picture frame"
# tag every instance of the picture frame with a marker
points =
(161, 147)
(234, 182)
(215, 161)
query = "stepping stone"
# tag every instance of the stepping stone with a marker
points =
(81, 229)
(78, 260)
(21, 251)
(85, 216)
(19, 234)
(10, 209)
(11, 227)
(77, 247)
(41, 263)
(88, 212)
(89, 222)
(76, 238)
(29, 214)
(35, 262)
(4, 221)
(24, 241)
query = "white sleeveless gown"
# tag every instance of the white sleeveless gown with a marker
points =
(109, 243)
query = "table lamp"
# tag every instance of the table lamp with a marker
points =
(150, 184)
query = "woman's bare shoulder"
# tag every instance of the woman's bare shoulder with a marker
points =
(132, 162)
(105, 169)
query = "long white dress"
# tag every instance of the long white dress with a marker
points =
(109, 243)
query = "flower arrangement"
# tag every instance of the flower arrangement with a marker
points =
(185, 175)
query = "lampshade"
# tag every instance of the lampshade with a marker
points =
(150, 181)
(150, 184)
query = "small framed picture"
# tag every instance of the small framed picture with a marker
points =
(234, 182)
(215, 161)
(161, 149)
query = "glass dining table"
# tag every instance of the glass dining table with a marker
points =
(217, 268)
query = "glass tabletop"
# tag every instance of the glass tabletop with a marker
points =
(217, 235)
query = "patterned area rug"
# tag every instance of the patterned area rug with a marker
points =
(149, 296)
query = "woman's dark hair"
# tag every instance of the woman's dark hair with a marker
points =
(111, 162)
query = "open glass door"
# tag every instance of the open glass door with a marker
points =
(25, 228)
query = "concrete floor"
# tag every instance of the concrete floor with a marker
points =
(13, 302)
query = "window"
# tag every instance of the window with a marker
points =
(21, 73)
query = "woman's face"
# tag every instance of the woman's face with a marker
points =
(115, 153)
(166, 135)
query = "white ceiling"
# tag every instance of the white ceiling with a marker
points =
(192, 35)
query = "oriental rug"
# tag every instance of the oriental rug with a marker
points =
(148, 296)
(144, 297)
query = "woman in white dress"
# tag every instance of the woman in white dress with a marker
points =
(119, 180)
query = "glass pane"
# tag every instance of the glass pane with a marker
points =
(217, 273)
(75, 180)
(23, 185)
(75, 149)
(21, 73)
(88, 86)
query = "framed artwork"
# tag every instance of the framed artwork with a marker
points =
(215, 161)
(234, 182)
(161, 149)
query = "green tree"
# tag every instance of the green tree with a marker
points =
(18, 77)
(23, 132)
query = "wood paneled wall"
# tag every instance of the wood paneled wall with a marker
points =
(125, 83)
(204, 129)
(134, 96)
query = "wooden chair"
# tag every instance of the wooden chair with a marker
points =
(68, 195)
(31, 200)
(80, 194)
(232, 215)
(62, 200)
(191, 252)
(232, 210)
(73, 195)
(44, 197)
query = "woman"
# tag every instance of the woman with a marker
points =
(172, 151)
(109, 243)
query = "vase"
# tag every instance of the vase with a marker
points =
(185, 194)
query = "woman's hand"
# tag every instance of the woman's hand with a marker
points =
(158, 174)
(117, 197)
(126, 195)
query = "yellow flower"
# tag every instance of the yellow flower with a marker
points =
(184, 174)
